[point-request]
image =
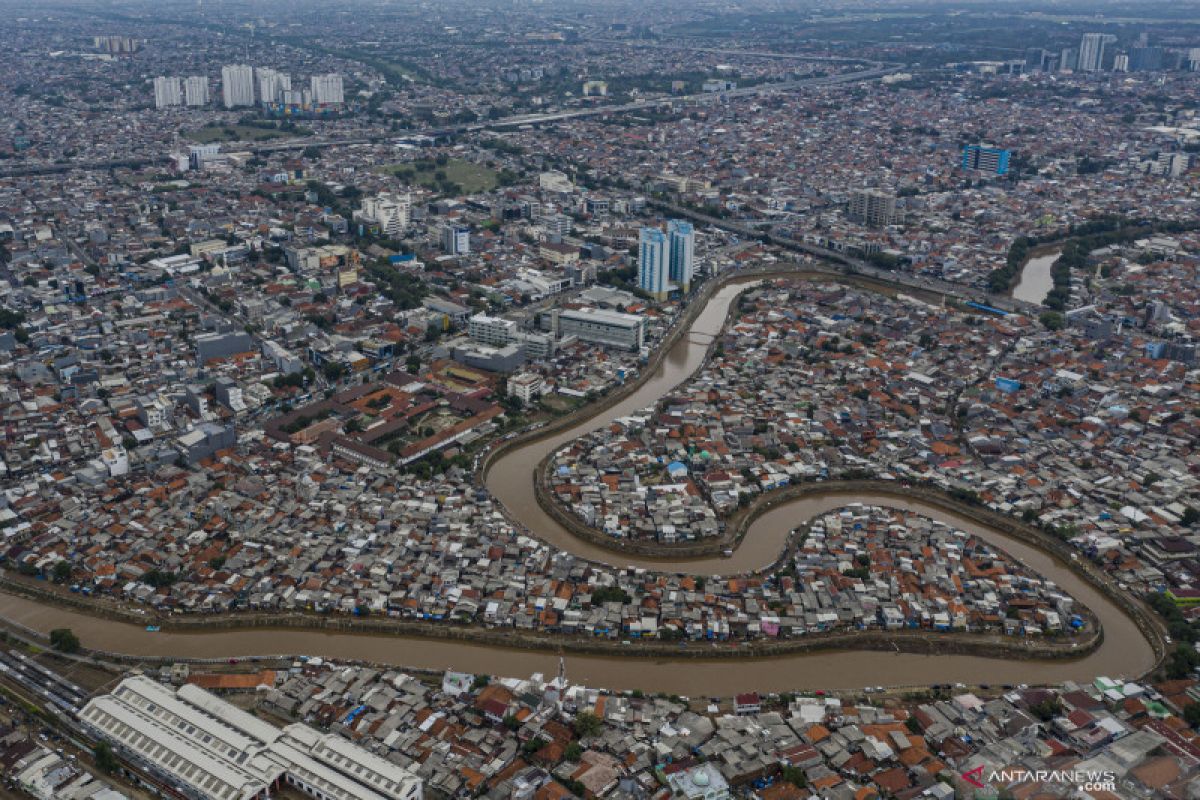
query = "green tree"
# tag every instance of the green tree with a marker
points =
(1052, 320)
(106, 759)
(64, 640)
(794, 776)
(587, 724)
(62, 571)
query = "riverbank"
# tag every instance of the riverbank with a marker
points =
(919, 642)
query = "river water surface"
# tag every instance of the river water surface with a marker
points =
(1035, 281)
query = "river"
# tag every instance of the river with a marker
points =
(1036, 281)
(1124, 652)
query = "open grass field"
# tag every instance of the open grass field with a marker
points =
(240, 133)
(467, 175)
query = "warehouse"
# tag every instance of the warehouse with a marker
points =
(208, 748)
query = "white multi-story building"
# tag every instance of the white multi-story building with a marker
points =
(327, 89)
(195, 90)
(495, 331)
(499, 332)
(627, 331)
(237, 85)
(207, 748)
(387, 211)
(1091, 51)
(272, 85)
(526, 386)
(167, 91)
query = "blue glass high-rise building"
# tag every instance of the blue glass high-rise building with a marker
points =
(653, 270)
(681, 245)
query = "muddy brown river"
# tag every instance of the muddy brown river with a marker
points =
(1124, 652)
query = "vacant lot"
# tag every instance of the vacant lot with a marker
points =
(241, 133)
(468, 176)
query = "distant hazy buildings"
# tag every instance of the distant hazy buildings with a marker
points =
(116, 45)
(167, 92)
(327, 89)
(272, 85)
(237, 85)
(1146, 59)
(1091, 51)
(195, 90)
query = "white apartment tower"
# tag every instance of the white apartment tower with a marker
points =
(237, 85)
(195, 90)
(327, 89)
(167, 92)
(272, 85)
(1091, 51)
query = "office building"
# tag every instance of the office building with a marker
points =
(1068, 59)
(327, 89)
(207, 748)
(167, 92)
(1091, 51)
(272, 85)
(985, 158)
(388, 212)
(237, 85)
(195, 90)
(681, 253)
(872, 207)
(627, 331)
(498, 332)
(456, 239)
(652, 263)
